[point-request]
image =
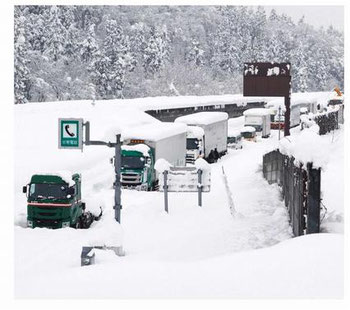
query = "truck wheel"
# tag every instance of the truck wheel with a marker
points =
(77, 224)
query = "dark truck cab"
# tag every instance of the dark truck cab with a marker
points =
(53, 203)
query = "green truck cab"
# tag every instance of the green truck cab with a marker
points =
(137, 167)
(53, 203)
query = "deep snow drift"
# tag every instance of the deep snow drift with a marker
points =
(190, 252)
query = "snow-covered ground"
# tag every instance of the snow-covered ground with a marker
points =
(190, 252)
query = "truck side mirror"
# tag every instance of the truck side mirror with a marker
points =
(24, 189)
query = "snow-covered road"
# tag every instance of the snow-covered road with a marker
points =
(191, 252)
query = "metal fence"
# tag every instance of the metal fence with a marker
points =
(328, 122)
(300, 190)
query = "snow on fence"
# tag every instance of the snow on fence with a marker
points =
(300, 189)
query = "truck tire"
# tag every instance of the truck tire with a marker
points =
(78, 223)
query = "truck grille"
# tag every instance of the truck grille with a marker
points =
(190, 158)
(131, 179)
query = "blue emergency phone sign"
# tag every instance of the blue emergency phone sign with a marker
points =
(70, 133)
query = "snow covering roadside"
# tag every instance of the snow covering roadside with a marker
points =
(303, 267)
(325, 152)
(190, 252)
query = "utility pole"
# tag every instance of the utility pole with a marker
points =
(117, 187)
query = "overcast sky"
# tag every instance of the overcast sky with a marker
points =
(320, 15)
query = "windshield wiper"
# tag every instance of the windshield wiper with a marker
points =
(57, 198)
(41, 197)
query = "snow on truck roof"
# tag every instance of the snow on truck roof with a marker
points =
(202, 118)
(257, 112)
(154, 132)
(142, 148)
(248, 129)
(195, 132)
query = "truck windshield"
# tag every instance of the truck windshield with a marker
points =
(192, 144)
(248, 134)
(133, 162)
(231, 139)
(47, 191)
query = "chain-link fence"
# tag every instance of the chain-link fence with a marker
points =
(300, 189)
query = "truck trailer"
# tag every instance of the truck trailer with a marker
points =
(144, 145)
(260, 119)
(207, 133)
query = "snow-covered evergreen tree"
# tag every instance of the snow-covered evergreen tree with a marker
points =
(156, 52)
(139, 51)
(56, 35)
(89, 46)
(22, 74)
(195, 54)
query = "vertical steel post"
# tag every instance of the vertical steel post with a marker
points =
(287, 116)
(117, 189)
(200, 187)
(313, 200)
(87, 132)
(165, 187)
(279, 122)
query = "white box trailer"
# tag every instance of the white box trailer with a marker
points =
(214, 126)
(165, 140)
(260, 119)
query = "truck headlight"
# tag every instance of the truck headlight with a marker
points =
(65, 224)
(30, 224)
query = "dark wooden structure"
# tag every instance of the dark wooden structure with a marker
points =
(269, 79)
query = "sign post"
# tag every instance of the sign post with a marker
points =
(70, 136)
(117, 167)
(269, 79)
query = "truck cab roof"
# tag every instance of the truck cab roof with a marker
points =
(47, 178)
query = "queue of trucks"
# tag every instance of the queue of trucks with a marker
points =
(54, 203)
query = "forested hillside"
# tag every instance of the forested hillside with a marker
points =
(103, 52)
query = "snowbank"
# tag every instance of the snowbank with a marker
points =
(202, 164)
(202, 118)
(310, 266)
(308, 146)
(161, 165)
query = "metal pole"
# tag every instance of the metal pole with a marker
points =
(200, 187)
(287, 116)
(279, 122)
(313, 200)
(87, 132)
(165, 187)
(117, 189)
